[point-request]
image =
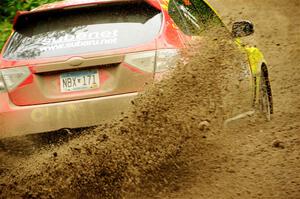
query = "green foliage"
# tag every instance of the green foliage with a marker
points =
(5, 29)
(8, 9)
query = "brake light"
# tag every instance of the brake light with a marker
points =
(143, 61)
(13, 77)
(166, 59)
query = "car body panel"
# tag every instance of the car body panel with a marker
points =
(22, 120)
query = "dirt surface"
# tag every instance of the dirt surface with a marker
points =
(172, 143)
(262, 159)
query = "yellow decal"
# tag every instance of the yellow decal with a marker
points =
(165, 4)
(256, 59)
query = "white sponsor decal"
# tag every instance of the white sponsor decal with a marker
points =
(81, 39)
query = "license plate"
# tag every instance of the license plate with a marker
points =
(79, 80)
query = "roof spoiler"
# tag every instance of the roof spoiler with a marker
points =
(20, 14)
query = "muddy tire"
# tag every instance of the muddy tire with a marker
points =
(265, 98)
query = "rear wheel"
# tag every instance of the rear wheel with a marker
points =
(265, 99)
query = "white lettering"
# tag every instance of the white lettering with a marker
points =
(79, 44)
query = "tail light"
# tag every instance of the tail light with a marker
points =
(145, 61)
(166, 59)
(13, 77)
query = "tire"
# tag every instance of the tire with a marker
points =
(265, 100)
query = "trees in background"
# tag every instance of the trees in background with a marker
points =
(8, 9)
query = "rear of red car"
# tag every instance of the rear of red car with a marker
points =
(75, 65)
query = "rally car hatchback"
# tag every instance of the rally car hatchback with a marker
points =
(77, 63)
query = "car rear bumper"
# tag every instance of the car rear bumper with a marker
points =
(21, 120)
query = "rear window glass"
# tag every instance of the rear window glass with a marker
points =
(84, 30)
